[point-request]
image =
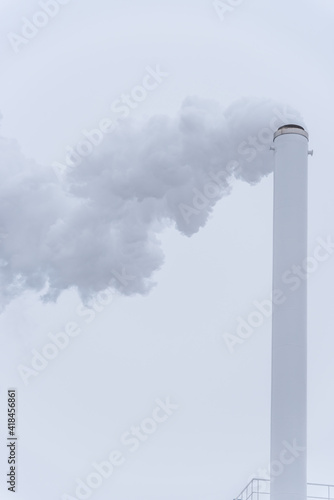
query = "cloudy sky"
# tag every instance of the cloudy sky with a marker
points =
(153, 345)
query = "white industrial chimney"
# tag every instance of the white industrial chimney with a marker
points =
(289, 332)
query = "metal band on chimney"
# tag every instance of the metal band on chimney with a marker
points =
(291, 129)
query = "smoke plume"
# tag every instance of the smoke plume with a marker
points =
(98, 226)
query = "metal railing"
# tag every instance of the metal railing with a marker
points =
(259, 489)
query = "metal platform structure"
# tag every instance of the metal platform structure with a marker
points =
(259, 489)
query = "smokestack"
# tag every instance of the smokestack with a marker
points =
(289, 327)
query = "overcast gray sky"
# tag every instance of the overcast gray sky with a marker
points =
(170, 342)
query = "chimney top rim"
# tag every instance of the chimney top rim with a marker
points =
(291, 129)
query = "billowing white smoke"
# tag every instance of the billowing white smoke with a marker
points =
(98, 227)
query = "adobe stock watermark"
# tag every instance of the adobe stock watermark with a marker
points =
(121, 107)
(263, 309)
(223, 8)
(131, 441)
(49, 9)
(248, 150)
(289, 454)
(58, 342)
